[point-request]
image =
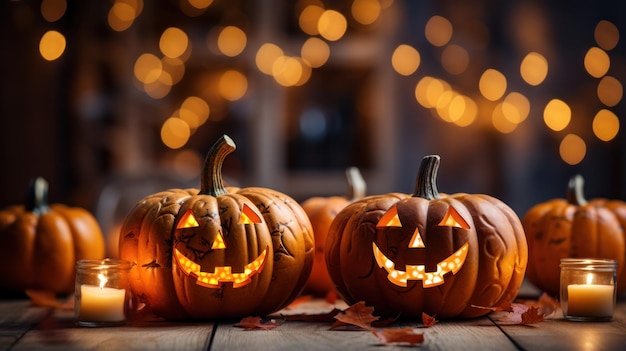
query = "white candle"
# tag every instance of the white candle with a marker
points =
(100, 304)
(589, 300)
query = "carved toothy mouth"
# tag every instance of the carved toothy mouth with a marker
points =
(452, 263)
(220, 275)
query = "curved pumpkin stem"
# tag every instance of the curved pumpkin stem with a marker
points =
(356, 184)
(37, 196)
(575, 194)
(211, 182)
(426, 184)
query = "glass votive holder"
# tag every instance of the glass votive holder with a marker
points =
(102, 292)
(588, 289)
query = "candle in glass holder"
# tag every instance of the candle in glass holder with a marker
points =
(588, 289)
(102, 294)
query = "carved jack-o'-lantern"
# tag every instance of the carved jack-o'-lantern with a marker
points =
(218, 252)
(440, 255)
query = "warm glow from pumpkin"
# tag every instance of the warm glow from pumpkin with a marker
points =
(249, 216)
(416, 241)
(438, 31)
(52, 45)
(534, 68)
(606, 35)
(389, 219)
(557, 115)
(610, 91)
(188, 220)
(452, 263)
(231, 41)
(220, 275)
(453, 219)
(332, 25)
(597, 62)
(405, 59)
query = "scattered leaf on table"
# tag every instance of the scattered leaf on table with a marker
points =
(428, 321)
(548, 305)
(256, 323)
(357, 315)
(522, 314)
(45, 298)
(327, 317)
(396, 335)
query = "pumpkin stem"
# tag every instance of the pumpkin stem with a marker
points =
(211, 182)
(356, 184)
(575, 194)
(37, 196)
(426, 184)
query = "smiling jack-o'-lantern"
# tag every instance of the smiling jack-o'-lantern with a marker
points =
(218, 252)
(437, 254)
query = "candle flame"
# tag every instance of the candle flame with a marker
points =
(103, 280)
(589, 278)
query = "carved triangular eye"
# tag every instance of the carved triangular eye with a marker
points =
(453, 219)
(187, 221)
(390, 219)
(218, 243)
(416, 241)
(249, 216)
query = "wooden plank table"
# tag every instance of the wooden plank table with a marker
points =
(24, 327)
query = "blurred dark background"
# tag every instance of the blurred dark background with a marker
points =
(141, 90)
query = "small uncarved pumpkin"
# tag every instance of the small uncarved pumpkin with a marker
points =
(427, 253)
(321, 212)
(217, 252)
(40, 243)
(577, 228)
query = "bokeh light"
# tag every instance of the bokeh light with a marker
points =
(492, 84)
(52, 45)
(173, 42)
(534, 68)
(597, 62)
(267, 54)
(366, 11)
(315, 51)
(610, 91)
(572, 149)
(557, 115)
(606, 35)
(175, 133)
(438, 31)
(53, 10)
(455, 59)
(605, 125)
(232, 85)
(405, 59)
(332, 25)
(231, 41)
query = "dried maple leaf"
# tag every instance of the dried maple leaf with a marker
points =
(548, 305)
(357, 315)
(44, 298)
(522, 314)
(395, 335)
(327, 317)
(428, 321)
(256, 323)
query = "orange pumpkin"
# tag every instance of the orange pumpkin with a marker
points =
(321, 212)
(577, 228)
(218, 252)
(40, 243)
(427, 253)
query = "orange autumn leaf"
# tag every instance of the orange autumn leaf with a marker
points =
(357, 315)
(428, 321)
(326, 317)
(531, 316)
(256, 323)
(394, 335)
(44, 298)
(522, 314)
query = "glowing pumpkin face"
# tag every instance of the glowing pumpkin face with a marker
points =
(427, 253)
(451, 263)
(220, 274)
